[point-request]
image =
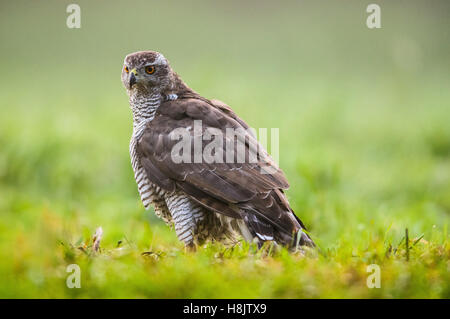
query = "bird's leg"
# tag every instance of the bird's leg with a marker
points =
(190, 247)
(184, 212)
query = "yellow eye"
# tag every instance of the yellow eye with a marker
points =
(126, 69)
(150, 69)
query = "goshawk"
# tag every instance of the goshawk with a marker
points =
(224, 199)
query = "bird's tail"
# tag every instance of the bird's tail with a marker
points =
(264, 230)
(294, 240)
(301, 236)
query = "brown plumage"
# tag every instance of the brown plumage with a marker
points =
(219, 200)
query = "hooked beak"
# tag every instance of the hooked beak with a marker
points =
(133, 74)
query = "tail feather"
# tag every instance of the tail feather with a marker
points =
(264, 230)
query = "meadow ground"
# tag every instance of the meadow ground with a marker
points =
(364, 141)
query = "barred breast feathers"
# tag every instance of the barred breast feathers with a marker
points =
(144, 109)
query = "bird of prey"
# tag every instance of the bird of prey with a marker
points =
(225, 199)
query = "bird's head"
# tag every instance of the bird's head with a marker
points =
(146, 71)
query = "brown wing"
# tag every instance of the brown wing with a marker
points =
(239, 190)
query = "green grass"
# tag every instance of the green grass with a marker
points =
(364, 141)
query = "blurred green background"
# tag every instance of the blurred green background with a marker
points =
(364, 141)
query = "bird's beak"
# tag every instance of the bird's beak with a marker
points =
(133, 74)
